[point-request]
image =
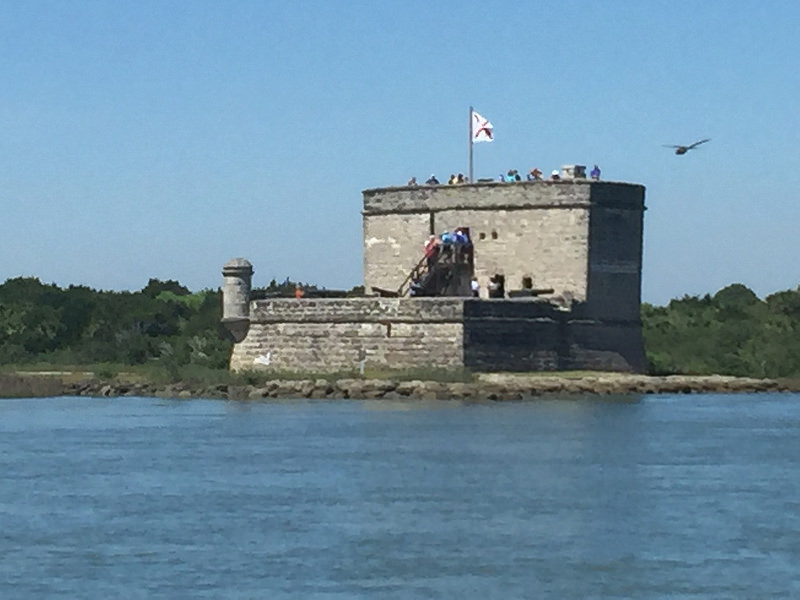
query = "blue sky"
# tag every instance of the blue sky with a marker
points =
(163, 138)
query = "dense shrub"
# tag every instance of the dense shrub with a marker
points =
(163, 323)
(733, 332)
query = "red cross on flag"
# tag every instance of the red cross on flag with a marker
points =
(481, 129)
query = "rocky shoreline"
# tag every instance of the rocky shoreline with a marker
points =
(489, 386)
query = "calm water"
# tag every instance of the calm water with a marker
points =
(654, 497)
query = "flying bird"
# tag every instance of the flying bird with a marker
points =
(684, 149)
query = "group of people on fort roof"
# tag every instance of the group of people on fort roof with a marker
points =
(535, 174)
(432, 180)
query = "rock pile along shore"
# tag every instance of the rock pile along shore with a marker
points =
(491, 387)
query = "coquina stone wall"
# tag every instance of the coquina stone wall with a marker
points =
(525, 335)
(333, 335)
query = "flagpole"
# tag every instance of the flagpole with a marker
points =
(471, 180)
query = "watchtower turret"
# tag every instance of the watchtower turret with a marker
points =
(237, 276)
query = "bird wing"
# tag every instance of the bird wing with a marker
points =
(671, 146)
(696, 144)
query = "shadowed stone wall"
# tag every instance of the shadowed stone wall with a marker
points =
(615, 251)
(524, 335)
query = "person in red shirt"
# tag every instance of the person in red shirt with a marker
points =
(431, 249)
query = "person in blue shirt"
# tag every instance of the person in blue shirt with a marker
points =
(595, 173)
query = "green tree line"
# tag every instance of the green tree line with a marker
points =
(732, 332)
(163, 324)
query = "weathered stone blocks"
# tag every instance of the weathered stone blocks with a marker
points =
(580, 238)
(339, 335)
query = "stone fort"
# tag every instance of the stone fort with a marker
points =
(567, 254)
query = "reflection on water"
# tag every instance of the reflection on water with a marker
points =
(646, 497)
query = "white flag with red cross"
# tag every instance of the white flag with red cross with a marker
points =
(481, 129)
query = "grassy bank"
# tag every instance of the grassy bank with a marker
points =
(45, 379)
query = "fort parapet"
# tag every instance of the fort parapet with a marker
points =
(333, 335)
(579, 242)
